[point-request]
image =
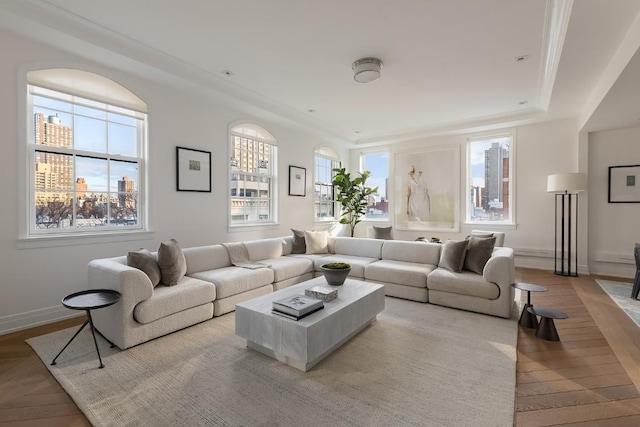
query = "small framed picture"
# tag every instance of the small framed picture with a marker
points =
(193, 170)
(624, 184)
(297, 181)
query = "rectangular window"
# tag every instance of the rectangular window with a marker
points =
(252, 182)
(86, 158)
(490, 191)
(324, 200)
(378, 164)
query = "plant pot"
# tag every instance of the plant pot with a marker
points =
(335, 276)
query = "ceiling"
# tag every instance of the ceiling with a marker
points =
(449, 65)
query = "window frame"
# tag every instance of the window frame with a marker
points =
(511, 221)
(29, 231)
(330, 155)
(257, 134)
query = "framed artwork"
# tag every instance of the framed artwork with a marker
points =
(297, 181)
(427, 189)
(193, 170)
(624, 184)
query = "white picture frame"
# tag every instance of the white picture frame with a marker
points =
(427, 189)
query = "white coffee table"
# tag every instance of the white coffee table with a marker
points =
(304, 343)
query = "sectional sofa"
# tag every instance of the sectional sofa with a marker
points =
(212, 285)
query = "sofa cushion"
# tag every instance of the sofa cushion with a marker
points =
(316, 242)
(236, 280)
(357, 246)
(383, 233)
(203, 258)
(172, 262)
(264, 249)
(399, 272)
(358, 263)
(287, 267)
(465, 283)
(146, 261)
(166, 300)
(479, 251)
(452, 255)
(420, 252)
(299, 245)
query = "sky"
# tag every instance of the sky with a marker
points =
(378, 165)
(96, 130)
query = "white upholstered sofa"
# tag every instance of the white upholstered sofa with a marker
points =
(213, 285)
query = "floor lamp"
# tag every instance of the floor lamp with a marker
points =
(566, 187)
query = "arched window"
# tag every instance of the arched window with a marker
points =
(325, 160)
(86, 144)
(253, 174)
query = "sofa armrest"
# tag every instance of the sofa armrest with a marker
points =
(114, 322)
(111, 273)
(500, 269)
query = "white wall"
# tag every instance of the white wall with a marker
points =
(34, 280)
(541, 149)
(614, 227)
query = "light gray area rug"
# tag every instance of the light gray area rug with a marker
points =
(620, 292)
(417, 365)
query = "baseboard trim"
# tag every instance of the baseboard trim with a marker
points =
(30, 319)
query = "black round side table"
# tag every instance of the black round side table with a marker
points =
(88, 300)
(547, 329)
(527, 319)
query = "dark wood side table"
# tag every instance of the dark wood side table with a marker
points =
(88, 300)
(527, 319)
(547, 329)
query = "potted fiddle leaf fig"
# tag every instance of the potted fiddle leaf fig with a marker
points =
(336, 273)
(354, 195)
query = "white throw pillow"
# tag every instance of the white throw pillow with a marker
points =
(316, 242)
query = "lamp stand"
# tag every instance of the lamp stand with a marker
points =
(568, 233)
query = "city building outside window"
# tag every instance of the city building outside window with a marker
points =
(378, 164)
(490, 197)
(253, 166)
(324, 208)
(86, 158)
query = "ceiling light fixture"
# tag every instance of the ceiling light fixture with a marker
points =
(366, 70)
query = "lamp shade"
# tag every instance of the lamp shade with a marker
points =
(567, 183)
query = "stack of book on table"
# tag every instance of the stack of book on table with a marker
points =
(296, 306)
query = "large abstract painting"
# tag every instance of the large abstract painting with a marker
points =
(427, 189)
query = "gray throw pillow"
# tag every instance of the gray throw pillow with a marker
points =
(299, 245)
(144, 260)
(481, 234)
(383, 233)
(478, 253)
(173, 265)
(452, 255)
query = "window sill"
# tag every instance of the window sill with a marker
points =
(491, 226)
(252, 227)
(50, 241)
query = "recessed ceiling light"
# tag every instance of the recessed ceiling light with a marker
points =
(522, 58)
(311, 110)
(228, 73)
(523, 102)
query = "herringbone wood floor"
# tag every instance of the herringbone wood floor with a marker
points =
(590, 378)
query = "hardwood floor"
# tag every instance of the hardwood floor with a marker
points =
(589, 378)
(29, 395)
